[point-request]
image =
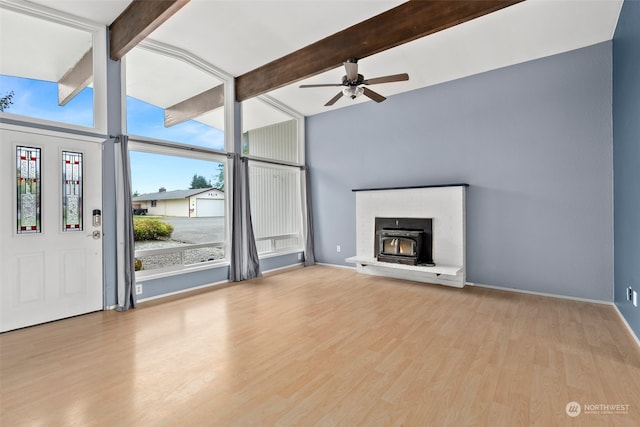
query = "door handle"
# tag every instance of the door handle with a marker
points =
(97, 234)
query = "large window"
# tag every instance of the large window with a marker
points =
(49, 68)
(179, 206)
(175, 116)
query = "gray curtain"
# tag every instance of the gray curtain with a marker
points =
(126, 275)
(309, 254)
(245, 264)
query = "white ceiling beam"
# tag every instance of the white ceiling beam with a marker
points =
(195, 106)
(76, 78)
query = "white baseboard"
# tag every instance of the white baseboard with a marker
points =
(627, 324)
(542, 294)
(336, 265)
(182, 291)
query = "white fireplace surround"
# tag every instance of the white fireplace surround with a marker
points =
(445, 204)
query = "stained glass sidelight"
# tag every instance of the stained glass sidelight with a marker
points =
(28, 190)
(72, 191)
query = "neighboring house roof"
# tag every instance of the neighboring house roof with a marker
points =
(172, 195)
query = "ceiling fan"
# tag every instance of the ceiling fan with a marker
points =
(354, 84)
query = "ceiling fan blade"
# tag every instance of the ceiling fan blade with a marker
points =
(373, 95)
(351, 66)
(387, 79)
(323, 85)
(333, 100)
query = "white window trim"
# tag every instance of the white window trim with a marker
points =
(152, 146)
(99, 38)
(153, 274)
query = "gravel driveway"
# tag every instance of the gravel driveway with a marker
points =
(196, 230)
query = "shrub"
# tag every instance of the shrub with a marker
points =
(151, 229)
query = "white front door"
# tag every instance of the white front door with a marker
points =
(51, 249)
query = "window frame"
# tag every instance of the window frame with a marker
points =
(152, 146)
(99, 41)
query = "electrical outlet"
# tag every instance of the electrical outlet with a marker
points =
(300, 256)
(629, 293)
(138, 289)
(338, 249)
(635, 298)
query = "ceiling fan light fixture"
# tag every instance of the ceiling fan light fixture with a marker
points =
(352, 91)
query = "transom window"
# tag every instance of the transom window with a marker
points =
(173, 100)
(48, 68)
(270, 132)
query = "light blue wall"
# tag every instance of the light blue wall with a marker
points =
(626, 158)
(534, 141)
(281, 261)
(182, 282)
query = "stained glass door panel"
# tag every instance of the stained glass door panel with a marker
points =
(71, 191)
(28, 190)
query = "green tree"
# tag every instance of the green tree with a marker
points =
(220, 179)
(199, 181)
(6, 101)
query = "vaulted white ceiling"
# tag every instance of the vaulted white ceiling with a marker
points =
(238, 36)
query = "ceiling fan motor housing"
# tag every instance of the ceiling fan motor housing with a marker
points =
(358, 81)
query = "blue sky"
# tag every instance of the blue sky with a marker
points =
(149, 172)
(37, 98)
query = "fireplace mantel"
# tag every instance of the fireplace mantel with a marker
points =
(411, 187)
(445, 204)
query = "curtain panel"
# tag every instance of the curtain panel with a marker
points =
(245, 263)
(309, 254)
(125, 286)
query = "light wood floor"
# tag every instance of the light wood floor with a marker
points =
(325, 346)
